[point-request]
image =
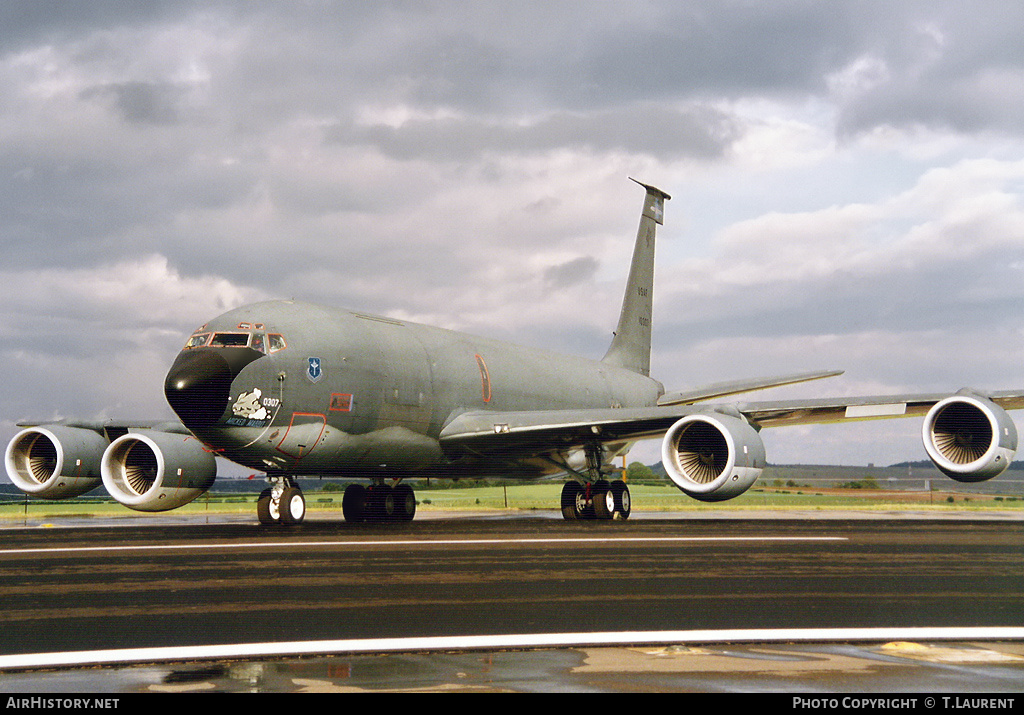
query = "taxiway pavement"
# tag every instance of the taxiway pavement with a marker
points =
(151, 585)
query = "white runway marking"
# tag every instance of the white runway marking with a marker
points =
(534, 640)
(416, 542)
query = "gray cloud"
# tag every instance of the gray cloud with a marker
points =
(141, 102)
(26, 23)
(953, 67)
(696, 132)
(570, 273)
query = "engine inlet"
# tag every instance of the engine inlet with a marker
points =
(35, 457)
(140, 468)
(961, 433)
(703, 453)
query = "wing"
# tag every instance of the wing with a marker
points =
(823, 411)
(483, 432)
(714, 452)
(543, 431)
(111, 428)
(532, 432)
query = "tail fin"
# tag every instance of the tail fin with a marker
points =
(631, 346)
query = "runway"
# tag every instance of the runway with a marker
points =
(145, 586)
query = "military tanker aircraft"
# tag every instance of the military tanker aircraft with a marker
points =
(292, 389)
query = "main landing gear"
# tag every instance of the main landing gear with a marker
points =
(378, 502)
(597, 500)
(283, 503)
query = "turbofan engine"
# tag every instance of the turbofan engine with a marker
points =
(969, 437)
(157, 471)
(55, 462)
(713, 457)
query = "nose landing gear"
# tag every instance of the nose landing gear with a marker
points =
(281, 503)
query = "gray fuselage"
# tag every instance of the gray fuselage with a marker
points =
(325, 391)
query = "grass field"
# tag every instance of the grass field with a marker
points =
(546, 496)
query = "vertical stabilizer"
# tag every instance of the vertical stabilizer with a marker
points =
(631, 346)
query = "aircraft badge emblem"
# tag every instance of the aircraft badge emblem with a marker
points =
(313, 372)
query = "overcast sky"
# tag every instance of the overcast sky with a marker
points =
(847, 183)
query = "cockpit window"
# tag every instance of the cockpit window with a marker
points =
(258, 343)
(275, 342)
(230, 340)
(197, 341)
(253, 338)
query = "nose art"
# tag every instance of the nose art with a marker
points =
(198, 386)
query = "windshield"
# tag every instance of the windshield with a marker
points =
(230, 340)
(246, 336)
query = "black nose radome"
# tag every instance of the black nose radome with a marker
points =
(198, 386)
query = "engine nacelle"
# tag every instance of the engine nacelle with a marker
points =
(969, 438)
(713, 457)
(157, 471)
(54, 461)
